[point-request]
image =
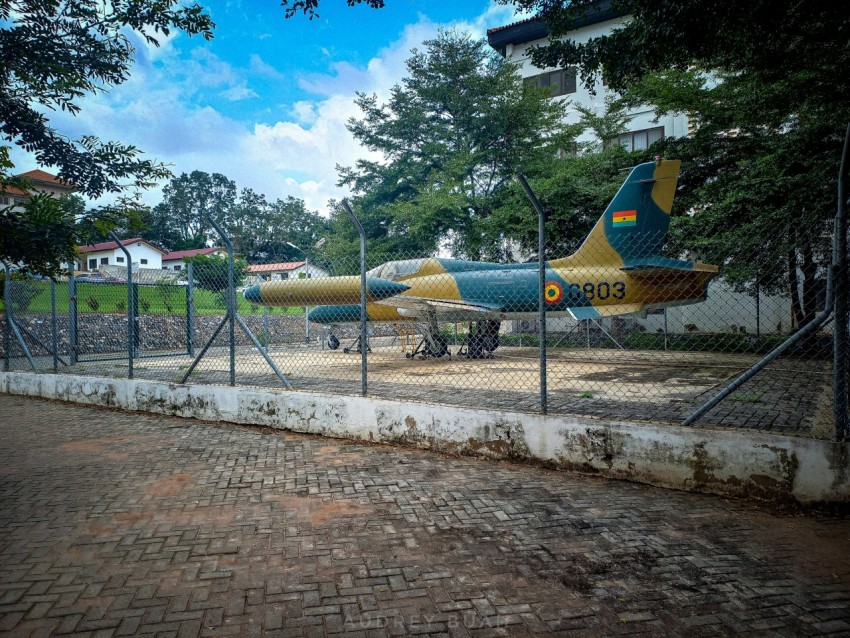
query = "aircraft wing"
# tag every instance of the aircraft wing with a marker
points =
(595, 312)
(426, 305)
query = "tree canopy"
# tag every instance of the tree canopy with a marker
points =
(452, 135)
(309, 7)
(261, 231)
(54, 53)
(765, 84)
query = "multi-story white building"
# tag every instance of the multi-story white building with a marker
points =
(42, 182)
(726, 310)
(515, 41)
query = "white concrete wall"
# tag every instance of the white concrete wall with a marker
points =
(749, 464)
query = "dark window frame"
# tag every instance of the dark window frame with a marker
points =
(561, 81)
(650, 135)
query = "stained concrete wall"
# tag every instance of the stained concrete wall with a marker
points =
(749, 464)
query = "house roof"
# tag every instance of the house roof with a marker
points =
(43, 177)
(180, 254)
(286, 265)
(111, 245)
(534, 29)
(39, 178)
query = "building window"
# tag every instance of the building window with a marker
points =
(638, 140)
(120, 260)
(144, 261)
(92, 264)
(104, 261)
(561, 82)
(284, 275)
(178, 267)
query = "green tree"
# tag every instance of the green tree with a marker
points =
(308, 7)
(210, 273)
(265, 232)
(180, 221)
(52, 54)
(766, 84)
(452, 135)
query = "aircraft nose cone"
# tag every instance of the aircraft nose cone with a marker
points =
(382, 288)
(252, 294)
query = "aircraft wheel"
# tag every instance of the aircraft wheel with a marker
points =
(408, 355)
(475, 348)
(333, 342)
(442, 347)
(346, 350)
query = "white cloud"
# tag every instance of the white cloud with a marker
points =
(294, 154)
(238, 93)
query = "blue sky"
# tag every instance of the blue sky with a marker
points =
(266, 101)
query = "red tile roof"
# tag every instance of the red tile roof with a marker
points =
(286, 265)
(111, 245)
(44, 177)
(180, 254)
(512, 24)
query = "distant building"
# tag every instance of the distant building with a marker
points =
(174, 261)
(143, 254)
(42, 182)
(286, 270)
(515, 42)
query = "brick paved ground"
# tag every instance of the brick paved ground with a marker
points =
(128, 524)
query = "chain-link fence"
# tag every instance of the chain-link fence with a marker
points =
(452, 332)
(632, 332)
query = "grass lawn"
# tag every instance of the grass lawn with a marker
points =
(112, 298)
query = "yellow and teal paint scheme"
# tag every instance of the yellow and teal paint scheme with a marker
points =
(619, 269)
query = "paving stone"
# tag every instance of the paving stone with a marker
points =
(130, 524)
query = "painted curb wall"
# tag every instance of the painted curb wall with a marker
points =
(730, 462)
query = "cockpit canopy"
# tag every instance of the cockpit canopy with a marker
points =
(395, 270)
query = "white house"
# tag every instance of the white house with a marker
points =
(515, 41)
(287, 270)
(174, 261)
(143, 254)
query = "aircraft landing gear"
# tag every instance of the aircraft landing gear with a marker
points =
(355, 347)
(433, 344)
(482, 340)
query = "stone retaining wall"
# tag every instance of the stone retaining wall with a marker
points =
(107, 333)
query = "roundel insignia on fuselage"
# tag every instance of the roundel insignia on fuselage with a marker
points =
(553, 292)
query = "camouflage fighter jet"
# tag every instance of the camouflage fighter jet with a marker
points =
(618, 270)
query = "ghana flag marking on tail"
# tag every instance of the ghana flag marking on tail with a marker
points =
(625, 218)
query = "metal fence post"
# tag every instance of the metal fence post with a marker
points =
(840, 352)
(190, 311)
(54, 338)
(7, 328)
(231, 299)
(363, 339)
(132, 300)
(541, 300)
(72, 319)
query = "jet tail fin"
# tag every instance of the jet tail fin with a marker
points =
(635, 223)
